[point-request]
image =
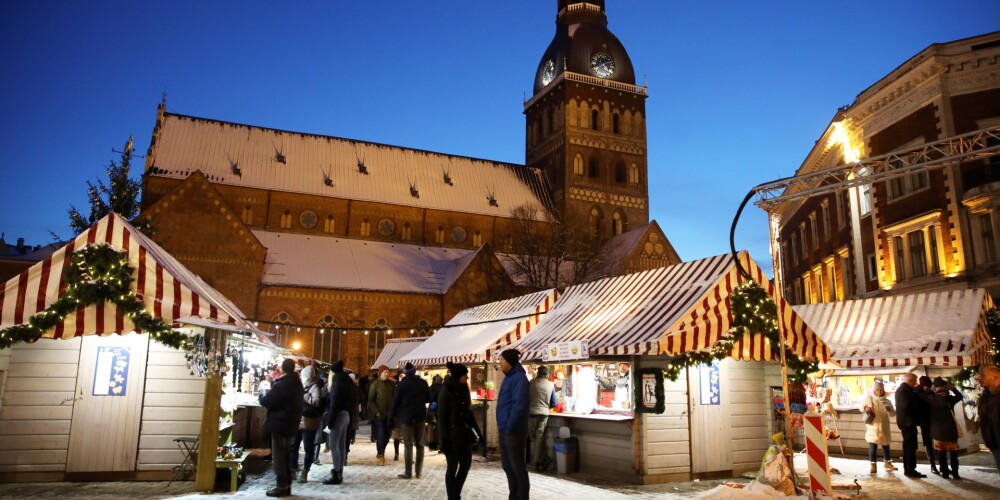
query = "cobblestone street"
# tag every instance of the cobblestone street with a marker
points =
(366, 481)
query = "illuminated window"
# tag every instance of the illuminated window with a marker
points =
(617, 223)
(578, 164)
(813, 230)
(633, 174)
(286, 219)
(282, 328)
(326, 339)
(366, 228)
(864, 195)
(915, 247)
(330, 224)
(407, 232)
(477, 239)
(439, 235)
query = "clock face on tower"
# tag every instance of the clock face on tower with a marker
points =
(548, 72)
(602, 65)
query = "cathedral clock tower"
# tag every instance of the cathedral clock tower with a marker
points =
(586, 125)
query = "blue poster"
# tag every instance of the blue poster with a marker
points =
(111, 371)
(709, 382)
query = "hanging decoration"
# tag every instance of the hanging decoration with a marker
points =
(648, 392)
(754, 311)
(96, 274)
(204, 357)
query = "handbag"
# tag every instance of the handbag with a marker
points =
(869, 417)
(311, 411)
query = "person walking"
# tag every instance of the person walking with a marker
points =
(343, 401)
(989, 410)
(925, 426)
(543, 398)
(379, 399)
(940, 404)
(284, 412)
(409, 405)
(907, 419)
(512, 423)
(877, 432)
(457, 429)
(432, 430)
(312, 410)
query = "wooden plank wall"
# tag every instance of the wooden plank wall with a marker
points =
(37, 406)
(748, 394)
(172, 408)
(665, 438)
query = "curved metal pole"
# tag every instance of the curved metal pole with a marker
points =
(732, 233)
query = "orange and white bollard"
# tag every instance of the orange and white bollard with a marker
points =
(817, 453)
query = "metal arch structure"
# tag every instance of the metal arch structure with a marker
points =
(983, 143)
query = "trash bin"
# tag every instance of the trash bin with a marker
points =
(567, 452)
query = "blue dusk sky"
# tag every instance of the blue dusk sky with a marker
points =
(738, 91)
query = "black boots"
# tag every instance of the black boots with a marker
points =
(931, 457)
(947, 471)
(335, 478)
(279, 492)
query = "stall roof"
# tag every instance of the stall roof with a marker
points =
(167, 289)
(395, 349)
(483, 334)
(670, 310)
(934, 329)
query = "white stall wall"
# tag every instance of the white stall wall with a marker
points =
(665, 438)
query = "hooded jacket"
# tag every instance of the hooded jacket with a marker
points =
(512, 403)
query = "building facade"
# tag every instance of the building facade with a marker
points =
(339, 244)
(931, 229)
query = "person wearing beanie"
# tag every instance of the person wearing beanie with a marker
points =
(908, 410)
(512, 423)
(877, 432)
(409, 405)
(284, 412)
(925, 426)
(380, 393)
(457, 429)
(343, 405)
(940, 403)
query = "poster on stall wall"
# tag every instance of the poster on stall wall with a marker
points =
(111, 371)
(709, 382)
(557, 351)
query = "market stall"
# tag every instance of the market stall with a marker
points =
(627, 330)
(395, 350)
(471, 338)
(933, 333)
(73, 358)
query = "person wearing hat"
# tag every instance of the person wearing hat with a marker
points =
(457, 429)
(925, 426)
(877, 432)
(343, 404)
(284, 412)
(512, 423)
(908, 410)
(940, 403)
(409, 405)
(380, 393)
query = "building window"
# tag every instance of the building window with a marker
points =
(810, 288)
(633, 174)
(864, 195)
(841, 215)
(620, 175)
(871, 267)
(804, 240)
(595, 222)
(247, 215)
(594, 119)
(366, 228)
(578, 164)
(281, 325)
(918, 256)
(902, 186)
(439, 235)
(824, 220)
(899, 258)
(423, 329)
(477, 239)
(592, 169)
(380, 330)
(326, 339)
(458, 235)
(795, 249)
(615, 118)
(813, 230)
(407, 232)
(987, 238)
(915, 248)
(797, 287)
(286, 219)
(330, 224)
(617, 223)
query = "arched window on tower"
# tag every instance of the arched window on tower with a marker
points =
(618, 223)
(595, 117)
(633, 174)
(423, 329)
(326, 339)
(615, 123)
(282, 328)
(377, 335)
(578, 164)
(595, 223)
(593, 170)
(620, 174)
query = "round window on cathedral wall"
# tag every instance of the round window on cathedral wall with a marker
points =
(308, 219)
(458, 235)
(386, 227)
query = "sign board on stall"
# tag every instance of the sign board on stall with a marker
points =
(111, 371)
(709, 382)
(558, 351)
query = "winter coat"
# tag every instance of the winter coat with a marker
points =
(343, 395)
(877, 432)
(543, 396)
(512, 403)
(435, 392)
(313, 395)
(908, 406)
(940, 406)
(989, 419)
(284, 405)
(380, 398)
(409, 402)
(455, 423)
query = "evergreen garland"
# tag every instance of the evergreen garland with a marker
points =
(753, 312)
(993, 327)
(95, 274)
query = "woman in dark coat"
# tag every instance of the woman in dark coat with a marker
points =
(944, 428)
(457, 430)
(432, 412)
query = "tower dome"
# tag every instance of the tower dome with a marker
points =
(583, 44)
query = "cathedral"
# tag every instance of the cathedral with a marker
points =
(336, 245)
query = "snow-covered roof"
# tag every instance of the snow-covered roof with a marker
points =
(264, 158)
(395, 349)
(340, 263)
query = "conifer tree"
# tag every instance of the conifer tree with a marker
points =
(119, 195)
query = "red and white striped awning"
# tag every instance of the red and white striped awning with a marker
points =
(668, 310)
(487, 329)
(167, 289)
(395, 349)
(931, 329)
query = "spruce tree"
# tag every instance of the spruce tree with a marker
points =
(119, 195)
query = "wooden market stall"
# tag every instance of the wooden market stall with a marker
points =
(712, 421)
(471, 338)
(932, 333)
(91, 399)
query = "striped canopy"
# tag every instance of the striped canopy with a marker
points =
(489, 328)
(930, 329)
(668, 310)
(395, 349)
(167, 289)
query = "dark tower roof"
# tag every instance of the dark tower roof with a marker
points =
(581, 33)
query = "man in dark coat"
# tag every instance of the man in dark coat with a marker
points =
(989, 409)
(908, 417)
(409, 404)
(512, 423)
(284, 411)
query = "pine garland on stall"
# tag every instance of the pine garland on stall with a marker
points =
(993, 327)
(753, 312)
(96, 274)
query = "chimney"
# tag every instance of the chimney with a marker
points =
(20, 246)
